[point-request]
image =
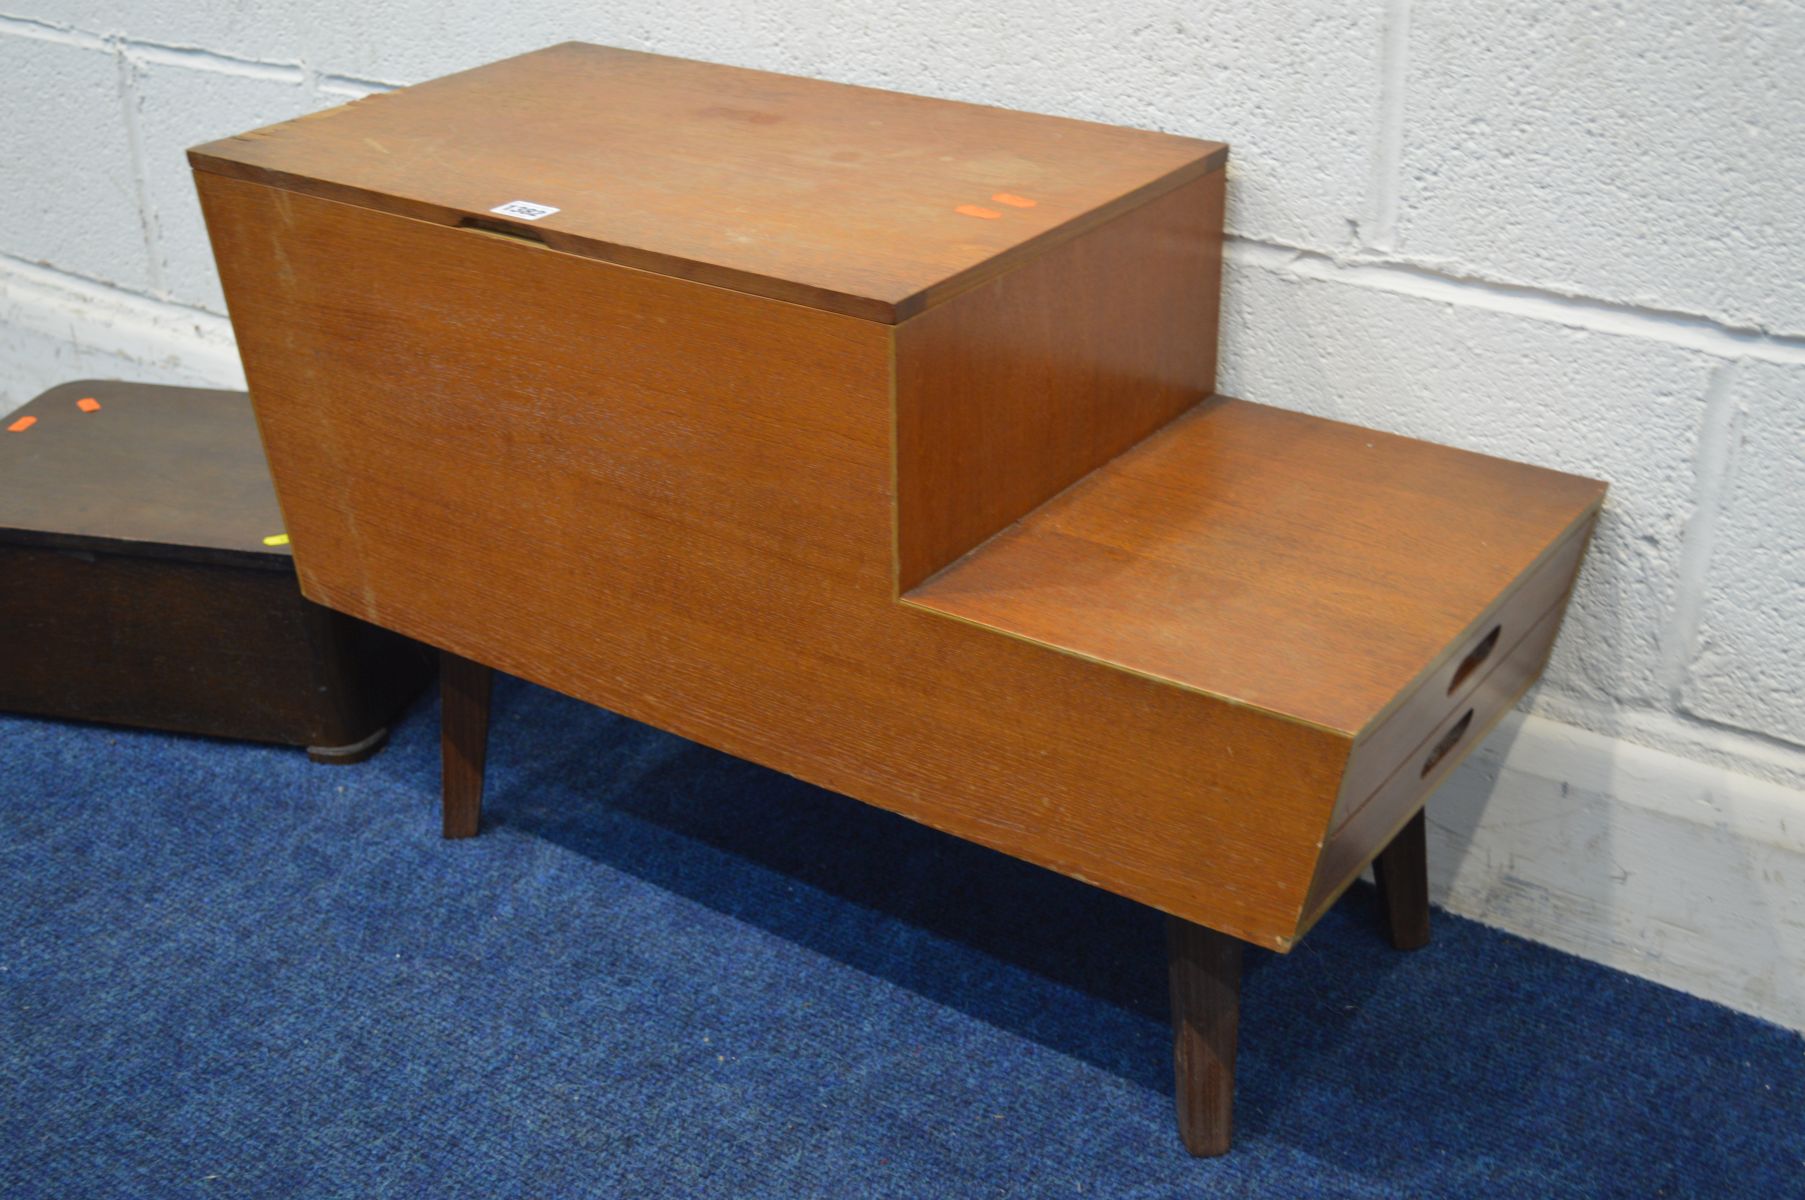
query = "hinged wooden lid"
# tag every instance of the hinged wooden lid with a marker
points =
(135, 468)
(866, 202)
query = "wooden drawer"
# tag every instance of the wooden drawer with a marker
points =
(1363, 832)
(1448, 689)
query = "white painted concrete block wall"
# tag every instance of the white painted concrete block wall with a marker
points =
(1566, 233)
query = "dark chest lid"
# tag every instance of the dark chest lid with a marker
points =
(851, 199)
(169, 472)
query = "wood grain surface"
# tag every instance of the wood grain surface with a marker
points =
(676, 501)
(1400, 734)
(1276, 560)
(1373, 825)
(1018, 388)
(1204, 973)
(464, 691)
(872, 438)
(205, 647)
(695, 494)
(186, 646)
(144, 469)
(1401, 872)
(136, 588)
(867, 202)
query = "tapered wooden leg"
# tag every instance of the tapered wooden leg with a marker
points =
(1206, 1013)
(463, 741)
(1402, 872)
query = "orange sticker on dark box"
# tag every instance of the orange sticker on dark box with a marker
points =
(1013, 200)
(974, 210)
(88, 404)
(21, 425)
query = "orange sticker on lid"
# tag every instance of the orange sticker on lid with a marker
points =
(88, 404)
(21, 425)
(1013, 200)
(973, 210)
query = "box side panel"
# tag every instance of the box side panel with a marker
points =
(186, 646)
(675, 501)
(1018, 388)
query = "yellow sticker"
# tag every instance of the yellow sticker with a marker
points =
(276, 539)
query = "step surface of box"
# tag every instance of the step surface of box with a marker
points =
(1314, 570)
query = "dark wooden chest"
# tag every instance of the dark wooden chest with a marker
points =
(146, 579)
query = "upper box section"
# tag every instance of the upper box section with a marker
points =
(871, 203)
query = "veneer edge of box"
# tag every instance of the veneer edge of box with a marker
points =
(893, 310)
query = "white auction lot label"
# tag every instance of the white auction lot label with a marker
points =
(526, 210)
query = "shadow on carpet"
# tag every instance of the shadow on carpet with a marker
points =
(661, 971)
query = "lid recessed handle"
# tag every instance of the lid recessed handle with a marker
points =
(501, 229)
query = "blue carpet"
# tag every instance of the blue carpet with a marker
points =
(226, 971)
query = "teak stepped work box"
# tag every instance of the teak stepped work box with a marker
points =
(874, 438)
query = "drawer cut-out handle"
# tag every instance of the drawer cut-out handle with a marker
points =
(1474, 657)
(1448, 741)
